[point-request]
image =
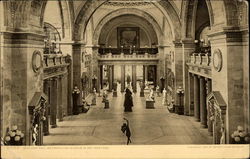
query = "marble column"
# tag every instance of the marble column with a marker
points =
(145, 72)
(113, 76)
(188, 47)
(46, 122)
(203, 108)
(122, 78)
(196, 98)
(134, 78)
(77, 57)
(59, 98)
(110, 70)
(64, 94)
(70, 88)
(53, 105)
(101, 76)
(191, 94)
(209, 122)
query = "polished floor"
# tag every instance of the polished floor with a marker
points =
(101, 126)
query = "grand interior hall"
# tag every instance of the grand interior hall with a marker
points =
(118, 72)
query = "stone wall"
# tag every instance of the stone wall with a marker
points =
(20, 81)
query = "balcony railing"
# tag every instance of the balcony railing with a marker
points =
(133, 56)
(55, 60)
(103, 51)
(200, 59)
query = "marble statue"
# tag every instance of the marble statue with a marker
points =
(164, 93)
(151, 95)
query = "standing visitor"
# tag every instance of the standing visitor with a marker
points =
(75, 94)
(128, 103)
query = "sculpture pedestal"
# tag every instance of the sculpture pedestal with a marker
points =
(141, 94)
(93, 101)
(150, 104)
(115, 94)
(106, 104)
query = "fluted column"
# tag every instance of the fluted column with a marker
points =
(59, 99)
(191, 94)
(203, 108)
(209, 122)
(196, 98)
(122, 78)
(53, 105)
(134, 77)
(101, 76)
(46, 122)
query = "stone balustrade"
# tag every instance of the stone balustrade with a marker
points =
(133, 56)
(200, 59)
(54, 60)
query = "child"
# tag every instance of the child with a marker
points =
(125, 129)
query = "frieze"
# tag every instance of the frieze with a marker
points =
(126, 3)
(200, 70)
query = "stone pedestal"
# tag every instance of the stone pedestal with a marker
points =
(179, 110)
(150, 104)
(142, 94)
(115, 94)
(106, 104)
(94, 100)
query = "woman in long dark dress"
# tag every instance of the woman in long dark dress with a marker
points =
(128, 103)
(125, 129)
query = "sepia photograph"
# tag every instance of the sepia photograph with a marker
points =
(124, 79)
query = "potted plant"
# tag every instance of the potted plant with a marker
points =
(14, 137)
(240, 136)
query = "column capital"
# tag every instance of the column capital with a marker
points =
(78, 43)
(54, 78)
(177, 44)
(207, 79)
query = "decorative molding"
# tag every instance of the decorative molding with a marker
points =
(217, 60)
(126, 3)
(37, 62)
(217, 108)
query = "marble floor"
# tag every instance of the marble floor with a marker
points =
(148, 126)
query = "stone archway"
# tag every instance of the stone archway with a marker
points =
(140, 14)
(91, 6)
(221, 13)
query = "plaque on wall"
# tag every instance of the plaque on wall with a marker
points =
(36, 61)
(217, 60)
(128, 37)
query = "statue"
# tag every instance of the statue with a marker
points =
(94, 97)
(104, 96)
(158, 90)
(34, 134)
(146, 85)
(164, 92)
(151, 95)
